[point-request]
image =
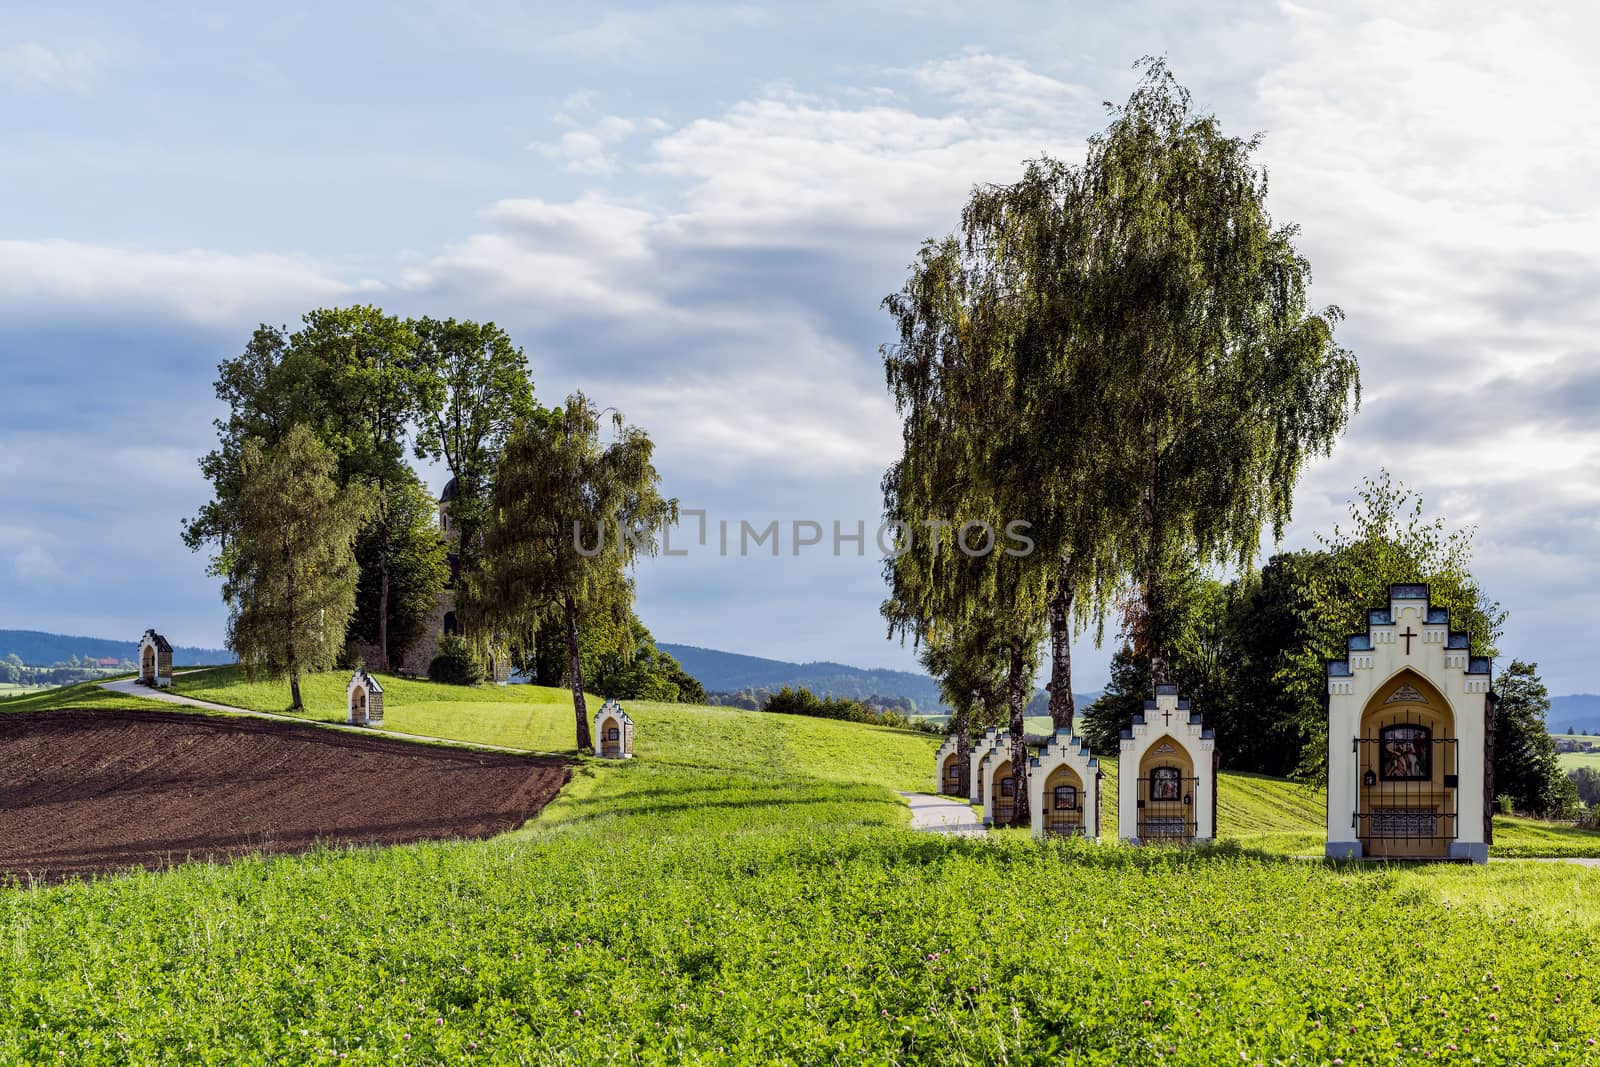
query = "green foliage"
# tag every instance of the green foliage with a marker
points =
(969, 660)
(640, 672)
(1387, 543)
(1217, 381)
(364, 382)
(1526, 764)
(456, 662)
(407, 550)
(473, 387)
(570, 516)
(292, 572)
(802, 701)
(1586, 780)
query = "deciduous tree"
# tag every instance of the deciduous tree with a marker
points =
(474, 387)
(291, 579)
(569, 515)
(1222, 380)
(415, 565)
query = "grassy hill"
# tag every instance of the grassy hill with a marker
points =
(745, 892)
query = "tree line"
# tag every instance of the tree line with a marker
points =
(324, 534)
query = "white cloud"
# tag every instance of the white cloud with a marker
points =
(36, 67)
(587, 149)
(197, 285)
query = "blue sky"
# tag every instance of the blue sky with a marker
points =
(691, 211)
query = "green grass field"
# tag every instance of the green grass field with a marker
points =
(1571, 761)
(80, 695)
(745, 891)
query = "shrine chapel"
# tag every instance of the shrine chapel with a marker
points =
(1410, 713)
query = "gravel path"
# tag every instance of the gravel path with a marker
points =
(942, 815)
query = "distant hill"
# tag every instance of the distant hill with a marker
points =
(42, 650)
(1579, 711)
(729, 672)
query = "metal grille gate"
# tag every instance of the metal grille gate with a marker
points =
(1166, 808)
(1407, 791)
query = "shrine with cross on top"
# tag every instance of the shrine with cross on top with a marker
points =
(1410, 758)
(1167, 774)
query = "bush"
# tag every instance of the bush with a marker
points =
(1590, 819)
(456, 663)
(802, 701)
(1502, 804)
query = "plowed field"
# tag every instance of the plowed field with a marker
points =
(85, 792)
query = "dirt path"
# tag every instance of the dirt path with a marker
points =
(92, 791)
(942, 815)
(129, 687)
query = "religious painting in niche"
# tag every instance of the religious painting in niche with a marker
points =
(1405, 754)
(1166, 783)
(613, 734)
(1008, 787)
(1066, 798)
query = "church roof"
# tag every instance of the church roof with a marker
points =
(155, 638)
(449, 492)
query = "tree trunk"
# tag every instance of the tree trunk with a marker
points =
(958, 726)
(290, 661)
(383, 614)
(575, 669)
(1062, 707)
(1153, 605)
(383, 581)
(1017, 697)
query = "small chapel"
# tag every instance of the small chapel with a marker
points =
(155, 660)
(1410, 729)
(363, 700)
(613, 732)
(1167, 774)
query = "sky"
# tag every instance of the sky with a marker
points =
(692, 212)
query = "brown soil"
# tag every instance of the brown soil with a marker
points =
(84, 792)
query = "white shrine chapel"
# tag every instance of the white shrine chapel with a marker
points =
(1410, 714)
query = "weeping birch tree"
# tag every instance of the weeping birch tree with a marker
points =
(952, 378)
(568, 517)
(1218, 378)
